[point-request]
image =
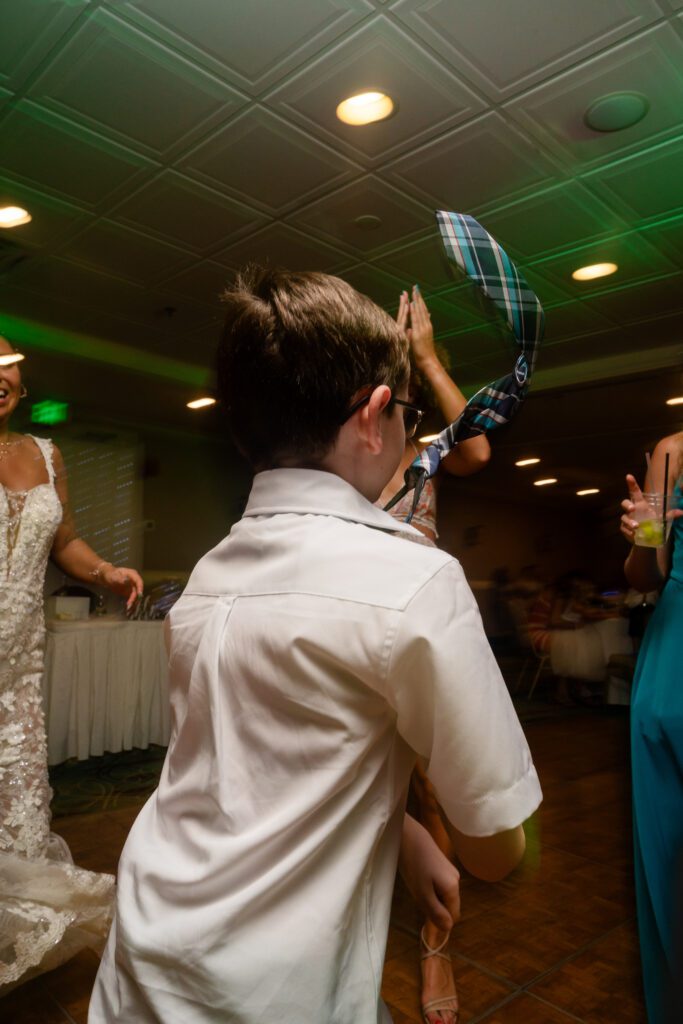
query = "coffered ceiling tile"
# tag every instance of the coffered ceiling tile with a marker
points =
(203, 343)
(187, 213)
(53, 219)
(465, 348)
(548, 291)
(126, 253)
(113, 308)
(203, 281)
(504, 47)
(449, 317)
(365, 215)
(51, 153)
(552, 219)
(571, 319)
(635, 258)
(474, 165)
(423, 263)
(649, 183)
(667, 237)
(383, 288)
(29, 31)
(282, 246)
(180, 101)
(69, 282)
(429, 96)
(71, 317)
(635, 302)
(255, 44)
(266, 161)
(648, 64)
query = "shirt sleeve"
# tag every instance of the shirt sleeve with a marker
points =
(453, 708)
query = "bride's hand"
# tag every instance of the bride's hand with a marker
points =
(124, 582)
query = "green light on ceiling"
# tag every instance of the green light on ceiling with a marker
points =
(49, 412)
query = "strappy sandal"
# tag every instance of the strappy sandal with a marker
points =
(444, 1003)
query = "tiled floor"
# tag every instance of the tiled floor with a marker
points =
(553, 944)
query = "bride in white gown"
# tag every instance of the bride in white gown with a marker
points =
(49, 908)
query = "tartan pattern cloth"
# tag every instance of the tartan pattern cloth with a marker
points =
(481, 258)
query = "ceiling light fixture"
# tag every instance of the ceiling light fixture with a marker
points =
(365, 108)
(544, 483)
(201, 403)
(588, 490)
(594, 270)
(527, 462)
(13, 216)
(616, 111)
(10, 358)
(677, 400)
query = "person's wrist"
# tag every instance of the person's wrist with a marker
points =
(428, 363)
(100, 570)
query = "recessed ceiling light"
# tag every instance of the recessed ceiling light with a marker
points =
(201, 403)
(13, 216)
(365, 108)
(588, 490)
(678, 400)
(594, 270)
(428, 438)
(527, 462)
(544, 483)
(10, 358)
(616, 111)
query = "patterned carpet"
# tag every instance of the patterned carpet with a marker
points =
(105, 783)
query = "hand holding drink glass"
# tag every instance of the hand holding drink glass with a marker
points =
(648, 516)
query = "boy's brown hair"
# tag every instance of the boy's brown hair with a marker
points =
(296, 350)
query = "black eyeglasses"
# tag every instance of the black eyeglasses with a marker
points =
(412, 416)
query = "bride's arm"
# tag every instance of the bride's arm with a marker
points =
(77, 559)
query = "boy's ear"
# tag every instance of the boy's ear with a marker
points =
(370, 424)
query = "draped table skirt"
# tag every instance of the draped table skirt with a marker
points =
(584, 653)
(105, 687)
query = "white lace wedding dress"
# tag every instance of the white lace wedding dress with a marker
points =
(49, 909)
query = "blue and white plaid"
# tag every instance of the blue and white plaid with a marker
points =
(488, 266)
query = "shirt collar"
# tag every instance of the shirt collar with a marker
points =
(316, 492)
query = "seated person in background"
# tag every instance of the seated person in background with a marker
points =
(313, 655)
(559, 622)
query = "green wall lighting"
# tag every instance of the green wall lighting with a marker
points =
(49, 412)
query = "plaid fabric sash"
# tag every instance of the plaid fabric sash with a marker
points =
(488, 266)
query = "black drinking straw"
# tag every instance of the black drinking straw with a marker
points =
(666, 494)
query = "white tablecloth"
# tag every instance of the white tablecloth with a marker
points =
(583, 653)
(105, 687)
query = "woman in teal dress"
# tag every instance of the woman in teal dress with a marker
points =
(657, 743)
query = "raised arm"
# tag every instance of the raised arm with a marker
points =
(646, 568)
(77, 559)
(413, 315)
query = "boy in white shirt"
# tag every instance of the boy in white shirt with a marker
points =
(313, 655)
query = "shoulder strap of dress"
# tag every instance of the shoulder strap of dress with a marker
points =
(45, 446)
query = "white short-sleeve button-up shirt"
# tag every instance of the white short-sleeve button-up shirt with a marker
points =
(313, 654)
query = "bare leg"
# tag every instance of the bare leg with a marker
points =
(439, 998)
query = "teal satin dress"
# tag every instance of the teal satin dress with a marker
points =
(657, 767)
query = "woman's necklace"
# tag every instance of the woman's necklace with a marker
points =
(7, 446)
